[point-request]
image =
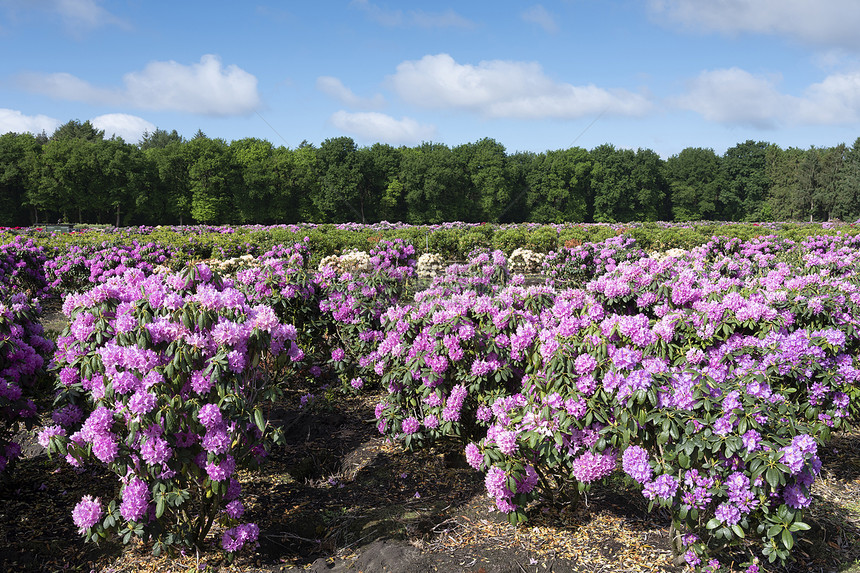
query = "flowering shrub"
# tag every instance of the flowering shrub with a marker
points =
(575, 266)
(77, 267)
(447, 358)
(711, 379)
(22, 267)
(525, 261)
(23, 350)
(161, 380)
(353, 303)
(430, 265)
(484, 272)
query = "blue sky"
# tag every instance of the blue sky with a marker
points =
(656, 74)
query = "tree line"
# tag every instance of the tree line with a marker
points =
(76, 175)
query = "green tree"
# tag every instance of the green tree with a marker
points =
(380, 192)
(628, 185)
(74, 129)
(121, 178)
(693, 179)
(254, 159)
(782, 170)
(558, 186)
(339, 198)
(486, 166)
(847, 203)
(170, 197)
(744, 184)
(19, 160)
(68, 177)
(213, 179)
(518, 166)
(652, 191)
(435, 183)
(159, 138)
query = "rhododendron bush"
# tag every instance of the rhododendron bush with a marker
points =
(711, 380)
(352, 302)
(162, 381)
(23, 352)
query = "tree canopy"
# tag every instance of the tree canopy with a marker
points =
(76, 175)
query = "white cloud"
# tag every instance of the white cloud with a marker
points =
(376, 126)
(835, 100)
(419, 18)
(334, 87)
(735, 96)
(87, 14)
(129, 127)
(500, 88)
(205, 88)
(12, 120)
(77, 16)
(829, 23)
(537, 14)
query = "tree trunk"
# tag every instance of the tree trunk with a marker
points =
(117, 214)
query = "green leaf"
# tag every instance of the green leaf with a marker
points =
(159, 507)
(713, 523)
(772, 476)
(738, 530)
(787, 539)
(258, 419)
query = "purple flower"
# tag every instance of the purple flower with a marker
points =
(410, 425)
(507, 442)
(49, 432)
(590, 466)
(795, 497)
(201, 383)
(209, 415)
(751, 440)
(216, 440)
(723, 425)
(634, 461)
(496, 482)
(142, 402)
(474, 457)
(87, 513)
(528, 482)
(234, 539)
(135, 499)
(221, 471)
(234, 509)
(728, 514)
(585, 364)
(105, 447)
(665, 486)
(794, 455)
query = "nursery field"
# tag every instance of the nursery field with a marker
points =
(456, 398)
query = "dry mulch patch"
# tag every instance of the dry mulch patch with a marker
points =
(339, 498)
